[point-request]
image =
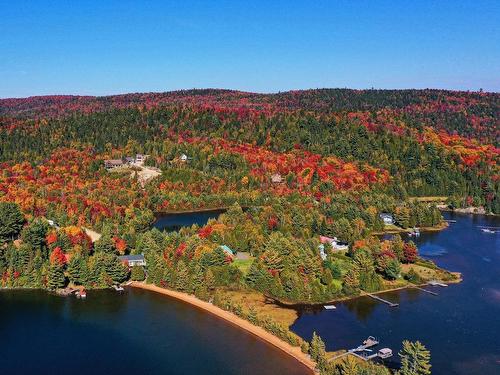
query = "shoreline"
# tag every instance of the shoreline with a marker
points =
(436, 228)
(286, 305)
(259, 332)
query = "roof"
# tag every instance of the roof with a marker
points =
(131, 257)
(227, 250)
(385, 214)
(114, 161)
(325, 239)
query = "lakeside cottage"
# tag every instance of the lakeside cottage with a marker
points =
(387, 218)
(133, 260)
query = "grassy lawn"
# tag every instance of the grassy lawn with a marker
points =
(243, 264)
(252, 299)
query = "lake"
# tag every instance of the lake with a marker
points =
(175, 221)
(461, 326)
(137, 332)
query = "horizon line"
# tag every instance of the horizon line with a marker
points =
(247, 92)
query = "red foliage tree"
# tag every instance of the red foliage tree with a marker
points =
(410, 252)
(58, 256)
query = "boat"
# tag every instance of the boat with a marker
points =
(370, 341)
(118, 288)
(384, 353)
(330, 307)
(81, 294)
(486, 230)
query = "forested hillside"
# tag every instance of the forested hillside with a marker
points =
(289, 167)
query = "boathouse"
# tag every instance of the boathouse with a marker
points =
(133, 260)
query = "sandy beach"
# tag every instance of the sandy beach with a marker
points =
(261, 333)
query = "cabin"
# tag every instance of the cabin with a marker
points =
(227, 250)
(387, 218)
(140, 158)
(133, 260)
(113, 163)
(276, 178)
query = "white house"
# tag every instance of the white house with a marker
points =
(133, 260)
(387, 218)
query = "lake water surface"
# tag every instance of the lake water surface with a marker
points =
(175, 221)
(137, 332)
(461, 326)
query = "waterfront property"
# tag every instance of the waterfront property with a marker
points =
(133, 260)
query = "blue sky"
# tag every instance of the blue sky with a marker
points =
(108, 47)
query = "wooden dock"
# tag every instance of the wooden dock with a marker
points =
(426, 291)
(437, 283)
(391, 304)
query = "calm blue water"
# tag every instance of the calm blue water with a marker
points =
(138, 332)
(461, 326)
(174, 222)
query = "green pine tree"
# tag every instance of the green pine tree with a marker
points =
(415, 359)
(55, 277)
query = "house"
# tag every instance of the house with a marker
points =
(113, 163)
(140, 158)
(129, 160)
(227, 250)
(133, 260)
(334, 243)
(387, 218)
(184, 158)
(276, 178)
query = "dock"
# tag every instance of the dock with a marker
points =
(118, 288)
(391, 304)
(365, 353)
(437, 283)
(425, 290)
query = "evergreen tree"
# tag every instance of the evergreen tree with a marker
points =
(35, 233)
(75, 270)
(137, 273)
(55, 277)
(11, 221)
(105, 244)
(182, 281)
(415, 359)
